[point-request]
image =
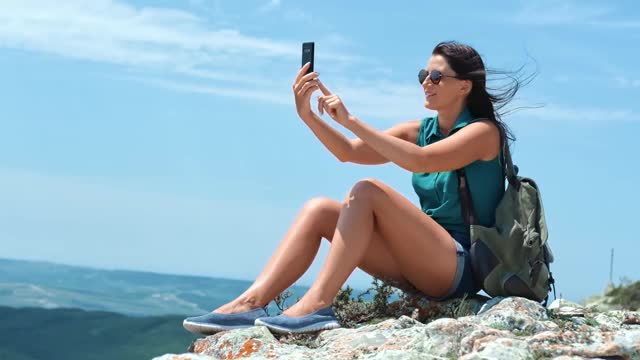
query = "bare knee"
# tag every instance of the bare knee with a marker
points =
(364, 190)
(324, 213)
(320, 205)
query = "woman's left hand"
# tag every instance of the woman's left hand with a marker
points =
(334, 106)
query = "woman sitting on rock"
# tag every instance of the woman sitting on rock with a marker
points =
(377, 229)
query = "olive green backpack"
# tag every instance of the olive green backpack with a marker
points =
(511, 258)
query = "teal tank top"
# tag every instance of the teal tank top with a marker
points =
(438, 192)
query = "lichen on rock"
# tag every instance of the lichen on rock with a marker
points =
(502, 328)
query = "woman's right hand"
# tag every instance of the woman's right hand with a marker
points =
(303, 87)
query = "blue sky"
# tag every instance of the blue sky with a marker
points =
(162, 136)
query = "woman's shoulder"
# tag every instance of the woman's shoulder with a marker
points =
(489, 135)
(485, 123)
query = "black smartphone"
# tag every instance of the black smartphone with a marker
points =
(307, 55)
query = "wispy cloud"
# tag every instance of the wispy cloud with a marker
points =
(271, 96)
(614, 79)
(616, 24)
(178, 50)
(562, 112)
(270, 5)
(383, 104)
(627, 82)
(571, 13)
(147, 38)
(553, 13)
(111, 31)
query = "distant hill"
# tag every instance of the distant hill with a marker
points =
(48, 285)
(35, 333)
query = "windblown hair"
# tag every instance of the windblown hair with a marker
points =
(483, 102)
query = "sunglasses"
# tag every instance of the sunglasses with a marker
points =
(435, 76)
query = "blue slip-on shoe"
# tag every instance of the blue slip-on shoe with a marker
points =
(212, 323)
(323, 319)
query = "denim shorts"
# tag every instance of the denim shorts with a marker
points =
(463, 282)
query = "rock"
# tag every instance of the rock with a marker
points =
(610, 320)
(489, 304)
(183, 357)
(422, 310)
(631, 319)
(620, 345)
(252, 342)
(504, 328)
(561, 307)
(501, 349)
(517, 315)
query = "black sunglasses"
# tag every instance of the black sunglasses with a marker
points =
(435, 76)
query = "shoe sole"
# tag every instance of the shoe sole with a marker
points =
(325, 325)
(207, 329)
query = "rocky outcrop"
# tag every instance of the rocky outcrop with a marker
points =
(502, 328)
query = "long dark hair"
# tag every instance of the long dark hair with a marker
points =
(483, 102)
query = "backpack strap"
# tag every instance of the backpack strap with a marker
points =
(468, 213)
(466, 203)
(552, 281)
(509, 170)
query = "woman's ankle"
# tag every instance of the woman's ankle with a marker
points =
(236, 306)
(250, 301)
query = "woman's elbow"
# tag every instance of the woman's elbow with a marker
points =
(420, 163)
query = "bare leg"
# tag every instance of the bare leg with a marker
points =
(424, 252)
(296, 252)
(288, 263)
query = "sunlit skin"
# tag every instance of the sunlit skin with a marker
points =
(374, 228)
(448, 97)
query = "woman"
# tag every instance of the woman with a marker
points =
(376, 229)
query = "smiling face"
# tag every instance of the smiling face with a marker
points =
(449, 92)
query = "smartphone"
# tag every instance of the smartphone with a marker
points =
(307, 55)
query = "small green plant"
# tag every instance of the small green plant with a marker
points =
(381, 297)
(343, 296)
(451, 355)
(499, 326)
(539, 354)
(351, 312)
(523, 332)
(627, 295)
(463, 308)
(591, 322)
(563, 323)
